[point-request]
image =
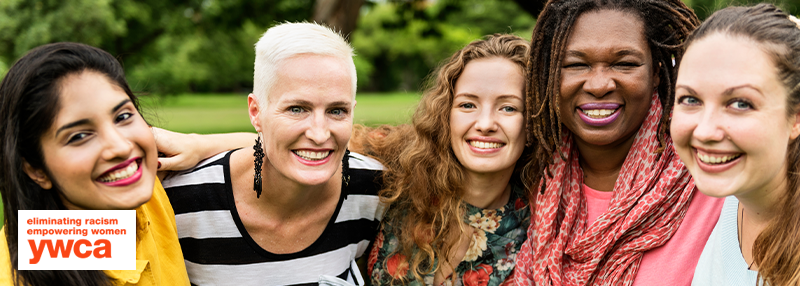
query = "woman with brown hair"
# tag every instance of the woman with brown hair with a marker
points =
(459, 205)
(735, 124)
(612, 193)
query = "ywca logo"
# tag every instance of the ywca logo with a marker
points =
(77, 240)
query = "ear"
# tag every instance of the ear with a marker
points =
(795, 126)
(254, 110)
(37, 175)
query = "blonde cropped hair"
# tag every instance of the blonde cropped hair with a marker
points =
(287, 40)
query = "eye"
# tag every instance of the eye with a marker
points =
(467, 105)
(508, 109)
(626, 65)
(688, 100)
(296, 109)
(741, 104)
(575, 65)
(338, 111)
(77, 137)
(123, 116)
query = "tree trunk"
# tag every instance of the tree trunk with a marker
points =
(341, 15)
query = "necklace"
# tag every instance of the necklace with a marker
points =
(741, 236)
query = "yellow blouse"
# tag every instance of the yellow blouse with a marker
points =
(159, 260)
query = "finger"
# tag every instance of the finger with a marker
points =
(172, 164)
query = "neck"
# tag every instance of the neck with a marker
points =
(601, 164)
(280, 196)
(488, 191)
(761, 206)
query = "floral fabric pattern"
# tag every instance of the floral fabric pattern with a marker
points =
(489, 261)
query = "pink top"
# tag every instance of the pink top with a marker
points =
(674, 262)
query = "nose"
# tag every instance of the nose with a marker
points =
(600, 82)
(708, 128)
(486, 121)
(319, 130)
(115, 145)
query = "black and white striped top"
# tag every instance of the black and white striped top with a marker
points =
(219, 251)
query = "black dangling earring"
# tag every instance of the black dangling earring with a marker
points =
(258, 154)
(346, 168)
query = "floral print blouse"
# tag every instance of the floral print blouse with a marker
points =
(489, 261)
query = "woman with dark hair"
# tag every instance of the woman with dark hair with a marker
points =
(735, 125)
(612, 193)
(73, 139)
(458, 202)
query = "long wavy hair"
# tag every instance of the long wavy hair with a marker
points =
(667, 24)
(776, 250)
(29, 103)
(424, 181)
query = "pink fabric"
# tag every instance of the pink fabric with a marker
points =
(596, 203)
(673, 263)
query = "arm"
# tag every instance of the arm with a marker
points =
(183, 151)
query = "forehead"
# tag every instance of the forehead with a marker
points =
(607, 29)
(723, 61)
(87, 92)
(491, 76)
(312, 78)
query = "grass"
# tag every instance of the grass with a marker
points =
(220, 113)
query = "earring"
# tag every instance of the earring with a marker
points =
(346, 168)
(258, 160)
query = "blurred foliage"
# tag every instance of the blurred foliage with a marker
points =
(166, 46)
(399, 43)
(171, 46)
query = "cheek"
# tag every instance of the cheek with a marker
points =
(749, 135)
(71, 165)
(143, 137)
(342, 131)
(460, 123)
(515, 128)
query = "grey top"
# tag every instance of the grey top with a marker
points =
(721, 262)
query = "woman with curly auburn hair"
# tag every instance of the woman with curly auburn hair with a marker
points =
(615, 204)
(459, 206)
(739, 85)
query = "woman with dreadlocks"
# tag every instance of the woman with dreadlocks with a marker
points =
(612, 195)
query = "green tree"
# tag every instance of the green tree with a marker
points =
(165, 45)
(399, 43)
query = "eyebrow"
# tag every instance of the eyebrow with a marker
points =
(620, 53)
(504, 96)
(730, 90)
(86, 121)
(727, 91)
(303, 102)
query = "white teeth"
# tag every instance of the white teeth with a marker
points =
(598, 113)
(311, 155)
(485, 145)
(120, 174)
(716, 160)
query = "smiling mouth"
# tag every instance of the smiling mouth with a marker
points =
(485, 145)
(120, 174)
(312, 155)
(598, 113)
(717, 160)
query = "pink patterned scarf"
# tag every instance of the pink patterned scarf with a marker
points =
(651, 197)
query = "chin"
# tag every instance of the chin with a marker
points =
(314, 178)
(715, 188)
